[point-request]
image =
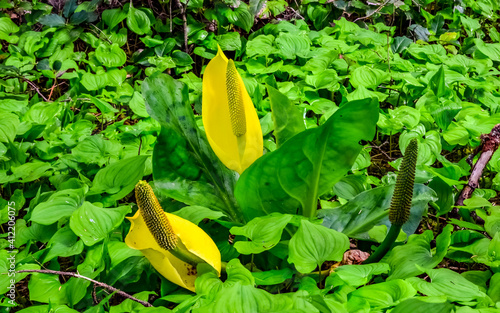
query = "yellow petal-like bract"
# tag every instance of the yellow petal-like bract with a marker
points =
(229, 116)
(193, 238)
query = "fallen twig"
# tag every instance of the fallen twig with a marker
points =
(95, 282)
(489, 144)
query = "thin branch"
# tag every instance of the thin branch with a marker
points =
(376, 11)
(489, 144)
(184, 21)
(103, 285)
(35, 87)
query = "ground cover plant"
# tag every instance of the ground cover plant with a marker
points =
(260, 156)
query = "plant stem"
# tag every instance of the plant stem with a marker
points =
(385, 246)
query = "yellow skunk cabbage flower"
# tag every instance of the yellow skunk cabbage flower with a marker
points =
(229, 117)
(173, 245)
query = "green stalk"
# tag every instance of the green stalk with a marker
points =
(399, 212)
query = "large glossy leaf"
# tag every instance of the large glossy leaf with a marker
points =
(287, 118)
(60, 204)
(184, 166)
(308, 164)
(416, 256)
(370, 208)
(384, 295)
(93, 223)
(445, 282)
(314, 244)
(263, 232)
(424, 305)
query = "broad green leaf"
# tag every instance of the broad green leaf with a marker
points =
(60, 204)
(110, 55)
(416, 256)
(261, 45)
(444, 192)
(264, 233)
(399, 44)
(273, 277)
(96, 150)
(92, 223)
(46, 288)
(103, 106)
(399, 118)
(31, 171)
(424, 305)
(290, 46)
(308, 164)
(494, 288)
(490, 50)
(367, 77)
(237, 293)
(119, 178)
(445, 282)
(241, 17)
(6, 259)
(52, 20)
(385, 294)
(64, 243)
(8, 127)
(94, 81)
(184, 166)
(370, 208)
(287, 118)
(138, 21)
(196, 214)
(357, 275)
(7, 29)
(113, 17)
(314, 244)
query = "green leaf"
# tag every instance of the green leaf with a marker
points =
(94, 81)
(308, 164)
(59, 205)
(494, 289)
(290, 46)
(445, 282)
(138, 21)
(490, 50)
(273, 277)
(184, 166)
(314, 244)
(368, 77)
(103, 106)
(8, 127)
(7, 29)
(138, 105)
(64, 243)
(264, 233)
(46, 288)
(96, 150)
(287, 118)
(92, 223)
(52, 20)
(119, 178)
(370, 208)
(424, 305)
(113, 17)
(261, 45)
(110, 55)
(399, 44)
(416, 256)
(358, 275)
(196, 213)
(385, 294)
(241, 17)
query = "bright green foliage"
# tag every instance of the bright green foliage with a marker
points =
(95, 96)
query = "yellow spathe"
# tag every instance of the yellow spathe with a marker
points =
(170, 267)
(229, 117)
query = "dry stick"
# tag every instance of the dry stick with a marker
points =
(184, 21)
(490, 143)
(103, 285)
(35, 87)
